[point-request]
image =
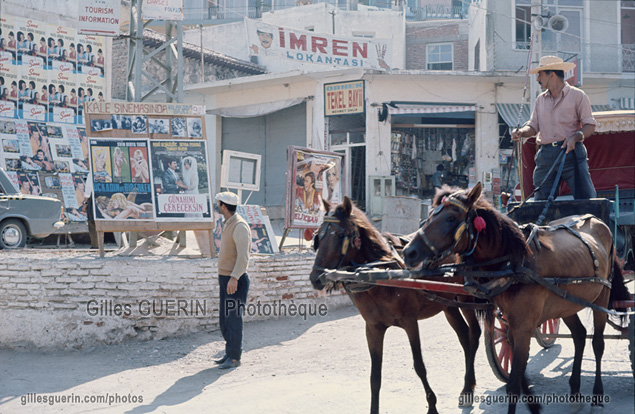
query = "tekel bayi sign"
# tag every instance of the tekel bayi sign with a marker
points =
(344, 98)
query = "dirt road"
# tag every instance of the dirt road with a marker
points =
(289, 366)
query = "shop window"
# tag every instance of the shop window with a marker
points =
(416, 153)
(523, 23)
(440, 56)
(570, 39)
(368, 35)
(347, 129)
(350, 137)
(339, 138)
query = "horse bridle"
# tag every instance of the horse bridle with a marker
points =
(348, 240)
(458, 233)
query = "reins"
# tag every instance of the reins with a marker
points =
(556, 184)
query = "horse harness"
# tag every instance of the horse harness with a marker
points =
(568, 226)
(348, 240)
(352, 284)
(458, 233)
(522, 273)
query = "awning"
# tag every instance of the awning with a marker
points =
(248, 111)
(429, 109)
(509, 112)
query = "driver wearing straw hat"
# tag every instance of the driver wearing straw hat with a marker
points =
(562, 119)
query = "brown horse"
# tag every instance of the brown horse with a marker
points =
(347, 238)
(465, 224)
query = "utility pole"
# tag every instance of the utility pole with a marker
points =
(536, 12)
(165, 57)
(200, 26)
(332, 13)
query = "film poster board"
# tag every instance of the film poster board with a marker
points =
(263, 240)
(154, 156)
(312, 176)
(47, 159)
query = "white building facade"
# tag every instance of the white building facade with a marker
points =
(414, 119)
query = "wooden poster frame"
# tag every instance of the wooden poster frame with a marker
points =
(103, 111)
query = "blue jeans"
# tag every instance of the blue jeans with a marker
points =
(580, 185)
(230, 315)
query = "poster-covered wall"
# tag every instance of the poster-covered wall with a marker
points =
(48, 71)
(47, 159)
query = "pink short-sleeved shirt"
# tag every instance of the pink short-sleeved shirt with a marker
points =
(557, 119)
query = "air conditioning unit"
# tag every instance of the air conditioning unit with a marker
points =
(558, 23)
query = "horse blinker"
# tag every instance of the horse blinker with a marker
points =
(459, 232)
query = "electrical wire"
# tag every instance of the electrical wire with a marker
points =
(568, 34)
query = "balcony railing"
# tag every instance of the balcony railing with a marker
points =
(435, 12)
(628, 58)
(238, 12)
(502, 56)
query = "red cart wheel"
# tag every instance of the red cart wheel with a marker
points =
(543, 332)
(498, 347)
(631, 341)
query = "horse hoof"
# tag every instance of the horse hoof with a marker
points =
(575, 407)
(466, 400)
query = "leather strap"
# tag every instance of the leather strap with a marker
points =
(566, 295)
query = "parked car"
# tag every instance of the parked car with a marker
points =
(25, 215)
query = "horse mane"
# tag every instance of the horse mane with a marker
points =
(508, 235)
(373, 245)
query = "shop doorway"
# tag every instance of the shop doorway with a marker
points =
(347, 136)
(355, 172)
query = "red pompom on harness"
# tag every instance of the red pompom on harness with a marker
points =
(479, 224)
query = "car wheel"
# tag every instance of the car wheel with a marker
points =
(12, 234)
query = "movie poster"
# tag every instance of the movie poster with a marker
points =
(313, 176)
(263, 239)
(180, 179)
(121, 182)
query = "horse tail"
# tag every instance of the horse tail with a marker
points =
(485, 316)
(619, 291)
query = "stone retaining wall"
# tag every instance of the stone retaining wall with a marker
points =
(70, 300)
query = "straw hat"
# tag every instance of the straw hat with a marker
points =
(552, 63)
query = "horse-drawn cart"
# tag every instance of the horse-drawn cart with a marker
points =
(614, 178)
(497, 343)
(533, 273)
